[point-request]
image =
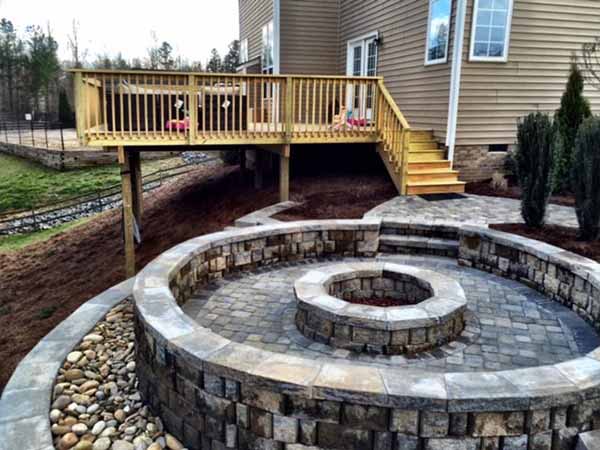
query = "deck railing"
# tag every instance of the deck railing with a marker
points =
(138, 108)
(155, 108)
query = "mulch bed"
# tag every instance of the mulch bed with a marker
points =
(45, 282)
(513, 191)
(563, 237)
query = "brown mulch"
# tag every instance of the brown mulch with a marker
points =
(513, 191)
(54, 277)
(563, 237)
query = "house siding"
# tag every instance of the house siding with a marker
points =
(544, 35)
(309, 36)
(253, 15)
(422, 92)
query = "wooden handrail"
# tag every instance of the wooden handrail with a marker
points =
(390, 100)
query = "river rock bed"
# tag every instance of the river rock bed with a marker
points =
(96, 404)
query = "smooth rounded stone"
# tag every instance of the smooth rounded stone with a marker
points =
(98, 427)
(59, 430)
(58, 389)
(73, 374)
(61, 402)
(90, 354)
(173, 443)
(108, 431)
(155, 446)
(130, 430)
(151, 428)
(88, 385)
(94, 338)
(79, 429)
(93, 408)
(100, 395)
(84, 445)
(103, 443)
(81, 399)
(73, 357)
(131, 366)
(55, 415)
(67, 441)
(120, 415)
(141, 442)
(122, 445)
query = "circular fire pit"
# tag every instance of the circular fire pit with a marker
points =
(379, 308)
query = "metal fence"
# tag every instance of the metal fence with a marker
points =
(52, 214)
(37, 133)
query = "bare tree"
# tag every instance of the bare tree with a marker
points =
(591, 59)
(78, 54)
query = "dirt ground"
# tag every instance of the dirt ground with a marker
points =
(558, 236)
(42, 284)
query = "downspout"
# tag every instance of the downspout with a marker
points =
(277, 37)
(455, 77)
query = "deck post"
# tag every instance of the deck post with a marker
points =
(284, 174)
(137, 186)
(258, 169)
(128, 215)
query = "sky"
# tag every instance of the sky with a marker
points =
(192, 27)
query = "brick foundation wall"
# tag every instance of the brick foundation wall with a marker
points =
(476, 163)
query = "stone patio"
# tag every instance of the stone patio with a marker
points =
(465, 208)
(509, 325)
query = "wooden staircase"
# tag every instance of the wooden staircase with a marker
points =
(428, 171)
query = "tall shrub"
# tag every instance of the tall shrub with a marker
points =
(574, 108)
(585, 177)
(534, 164)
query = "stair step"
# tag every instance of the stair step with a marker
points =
(429, 165)
(426, 155)
(417, 146)
(389, 243)
(435, 187)
(435, 174)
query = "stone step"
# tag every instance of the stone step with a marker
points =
(417, 244)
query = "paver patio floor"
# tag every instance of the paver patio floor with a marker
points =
(508, 324)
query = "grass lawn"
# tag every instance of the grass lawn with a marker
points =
(24, 184)
(19, 241)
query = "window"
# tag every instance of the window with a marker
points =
(267, 48)
(438, 31)
(244, 51)
(490, 35)
(498, 148)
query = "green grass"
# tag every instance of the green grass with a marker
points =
(24, 184)
(19, 241)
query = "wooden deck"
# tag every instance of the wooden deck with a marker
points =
(139, 108)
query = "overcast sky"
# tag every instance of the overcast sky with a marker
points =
(192, 27)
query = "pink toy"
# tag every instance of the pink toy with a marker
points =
(178, 125)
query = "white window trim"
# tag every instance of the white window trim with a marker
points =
(272, 66)
(355, 40)
(503, 58)
(443, 60)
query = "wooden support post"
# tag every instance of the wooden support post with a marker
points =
(284, 174)
(138, 188)
(258, 169)
(128, 215)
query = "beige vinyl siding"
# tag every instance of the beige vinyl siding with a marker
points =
(309, 38)
(422, 92)
(544, 35)
(253, 15)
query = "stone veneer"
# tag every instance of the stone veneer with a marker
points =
(216, 394)
(430, 311)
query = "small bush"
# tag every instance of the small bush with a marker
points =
(46, 312)
(574, 108)
(534, 165)
(585, 177)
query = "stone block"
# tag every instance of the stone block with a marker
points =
(434, 424)
(365, 417)
(538, 421)
(498, 424)
(452, 444)
(370, 336)
(333, 436)
(308, 432)
(405, 422)
(323, 411)
(406, 442)
(214, 384)
(242, 415)
(261, 423)
(285, 429)
(383, 440)
(515, 442)
(541, 441)
(458, 424)
(267, 400)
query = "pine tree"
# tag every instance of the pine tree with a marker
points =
(574, 108)
(232, 58)
(165, 58)
(214, 64)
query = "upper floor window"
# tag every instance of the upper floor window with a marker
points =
(490, 35)
(244, 51)
(438, 31)
(268, 44)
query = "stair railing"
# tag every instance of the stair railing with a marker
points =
(394, 133)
